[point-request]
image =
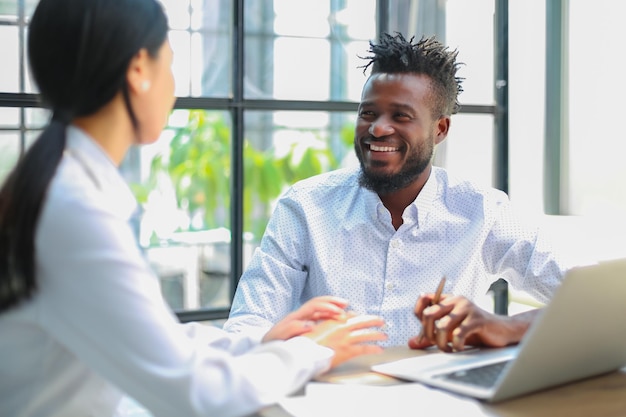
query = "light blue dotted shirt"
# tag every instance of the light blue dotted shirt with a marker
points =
(330, 236)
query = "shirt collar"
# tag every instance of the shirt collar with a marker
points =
(101, 170)
(423, 203)
(420, 207)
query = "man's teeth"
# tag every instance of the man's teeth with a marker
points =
(382, 148)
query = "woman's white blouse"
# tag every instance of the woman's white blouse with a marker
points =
(99, 327)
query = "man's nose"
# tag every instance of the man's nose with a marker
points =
(381, 127)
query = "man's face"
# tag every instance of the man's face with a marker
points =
(396, 132)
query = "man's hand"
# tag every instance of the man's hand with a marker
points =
(456, 322)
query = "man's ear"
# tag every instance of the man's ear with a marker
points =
(138, 74)
(441, 129)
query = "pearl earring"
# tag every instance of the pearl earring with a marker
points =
(145, 85)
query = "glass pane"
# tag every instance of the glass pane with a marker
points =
(9, 117)
(306, 50)
(527, 52)
(354, 78)
(184, 191)
(303, 18)
(284, 147)
(290, 69)
(181, 65)
(201, 40)
(9, 152)
(29, 83)
(469, 29)
(468, 150)
(466, 26)
(30, 137)
(185, 175)
(30, 7)
(596, 164)
(36, 118)
(9, 70)
(8, 9)
(178, 13)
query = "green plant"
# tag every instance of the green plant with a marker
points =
(199, 166)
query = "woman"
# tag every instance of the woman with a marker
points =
(81, 315)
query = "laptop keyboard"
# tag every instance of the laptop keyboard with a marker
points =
(484, 376)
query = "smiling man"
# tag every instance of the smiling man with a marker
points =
(382, 235)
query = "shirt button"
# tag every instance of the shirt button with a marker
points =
(389, 286)
(395, 244)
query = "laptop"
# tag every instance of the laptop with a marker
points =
(579, 334)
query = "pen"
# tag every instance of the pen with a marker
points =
(435, 300)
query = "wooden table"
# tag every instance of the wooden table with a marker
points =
(603, 396)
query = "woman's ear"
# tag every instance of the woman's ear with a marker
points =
(138, 74)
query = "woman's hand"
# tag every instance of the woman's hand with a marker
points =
(325, 321)
(349, 337)
(303, 319)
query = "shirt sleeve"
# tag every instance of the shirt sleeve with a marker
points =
(102, 302)
(519, 253)
(272, 284)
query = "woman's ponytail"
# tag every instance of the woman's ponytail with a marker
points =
(21, 199)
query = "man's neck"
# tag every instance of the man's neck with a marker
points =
(399, 200)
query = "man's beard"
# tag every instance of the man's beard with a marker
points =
(383, 183)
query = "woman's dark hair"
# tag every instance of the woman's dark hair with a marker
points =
(79, 52)
(395, 54)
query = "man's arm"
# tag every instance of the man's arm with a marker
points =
(271, 286)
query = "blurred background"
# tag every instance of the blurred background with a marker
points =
(267, 92)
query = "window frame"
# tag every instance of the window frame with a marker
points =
(237, 105)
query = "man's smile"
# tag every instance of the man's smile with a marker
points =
(380, 148)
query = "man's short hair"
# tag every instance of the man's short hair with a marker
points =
(394, 54)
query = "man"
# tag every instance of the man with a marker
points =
(384, 234)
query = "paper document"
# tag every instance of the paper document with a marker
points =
(332, 400)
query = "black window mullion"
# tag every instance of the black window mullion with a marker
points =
(554, 112)
(500, 288)
(22, 69)
(382, 16)
(237, 147)
(501, 88)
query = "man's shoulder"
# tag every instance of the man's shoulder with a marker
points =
(329, 181)
(452, 187)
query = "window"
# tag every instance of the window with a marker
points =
(237, 138)
(19, 122)
(289, 116)
(267, 94)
